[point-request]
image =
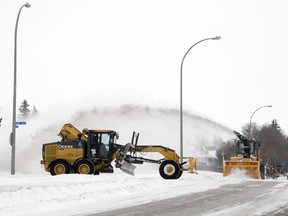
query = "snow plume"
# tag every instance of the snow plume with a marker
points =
(157, 126)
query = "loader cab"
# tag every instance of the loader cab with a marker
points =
(246, 149)
(100, 143)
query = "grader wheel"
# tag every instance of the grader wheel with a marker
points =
(85, 167)
(169, 169)
(59, 167)
(180, 173)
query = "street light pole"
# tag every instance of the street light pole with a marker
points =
(181, 97)
(250, 124)
(13, 134)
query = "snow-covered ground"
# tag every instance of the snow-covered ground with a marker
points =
(32, 191)
(74, 194)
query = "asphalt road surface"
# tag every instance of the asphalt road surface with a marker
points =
(235, 199)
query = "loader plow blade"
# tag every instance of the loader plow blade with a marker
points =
(127, 168)
(252, 168)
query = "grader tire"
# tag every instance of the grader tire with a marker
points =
(85, 167)
(59, 167)
(169, 169)
(180, 173)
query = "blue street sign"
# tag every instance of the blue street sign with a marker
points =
(20, 123)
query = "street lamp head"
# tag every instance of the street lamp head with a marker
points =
(269, 106)
(27, 5)
(216, 38)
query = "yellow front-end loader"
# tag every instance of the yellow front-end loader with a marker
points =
(247, 158)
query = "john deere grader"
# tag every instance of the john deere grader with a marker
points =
(93, 151)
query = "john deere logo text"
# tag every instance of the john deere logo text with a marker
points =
(65, 146)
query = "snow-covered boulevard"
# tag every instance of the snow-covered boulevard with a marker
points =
(146, 193)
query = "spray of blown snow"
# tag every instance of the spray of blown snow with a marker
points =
(155, 125)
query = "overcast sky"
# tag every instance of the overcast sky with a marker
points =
(76, 54)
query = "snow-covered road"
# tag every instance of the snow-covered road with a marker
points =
(25, 194)
(243, 199)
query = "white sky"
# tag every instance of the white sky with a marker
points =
(73, 54)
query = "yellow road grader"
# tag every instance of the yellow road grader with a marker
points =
(92, 152)
(247, 158)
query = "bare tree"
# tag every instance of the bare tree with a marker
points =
(249, 130)
(273, 144)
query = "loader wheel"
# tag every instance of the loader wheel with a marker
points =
(169, 169)
(85, 167)
(59, 167)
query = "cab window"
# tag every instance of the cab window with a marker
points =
(104, 145)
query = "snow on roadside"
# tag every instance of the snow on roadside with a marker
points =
(25, 194)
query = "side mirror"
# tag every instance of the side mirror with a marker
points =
(79, 135)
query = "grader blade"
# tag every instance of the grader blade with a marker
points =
(127, 168)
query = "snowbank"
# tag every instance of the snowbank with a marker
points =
(25, 194)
